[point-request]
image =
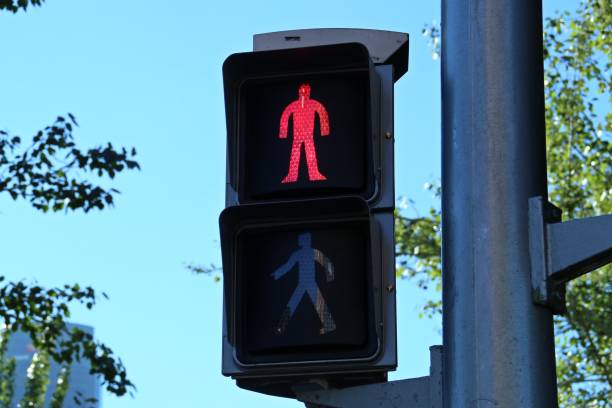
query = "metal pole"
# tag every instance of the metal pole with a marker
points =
(498, 346)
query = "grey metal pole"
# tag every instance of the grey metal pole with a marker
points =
(498, 346)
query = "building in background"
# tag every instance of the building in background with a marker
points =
(82, 383)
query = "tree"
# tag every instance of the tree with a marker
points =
(49, 174)
(15, 5)
(578, 59)
(577, 62)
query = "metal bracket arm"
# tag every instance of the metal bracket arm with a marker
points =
(422, 392)
(563, 251)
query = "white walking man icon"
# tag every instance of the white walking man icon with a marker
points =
(305, 258)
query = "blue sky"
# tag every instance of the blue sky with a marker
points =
(147, 73)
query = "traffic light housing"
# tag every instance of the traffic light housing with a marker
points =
(283, 235)
(307, 233)
(261, 86)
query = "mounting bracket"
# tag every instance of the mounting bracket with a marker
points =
(421, 392)
(563, 251)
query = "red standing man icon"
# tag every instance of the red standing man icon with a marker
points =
(303, 111)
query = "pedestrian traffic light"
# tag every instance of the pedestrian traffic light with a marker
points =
(307, 233)
(302, 283)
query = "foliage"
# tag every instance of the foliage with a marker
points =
(578, 61)
(38, 380)
(61, 388)
(49, 174)
(432, 33)
(42, 313)
(211, 270)
(584, 343)
(36, 385)
(14, 6)
(7, 372)
(418, 250)
(45, 173)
